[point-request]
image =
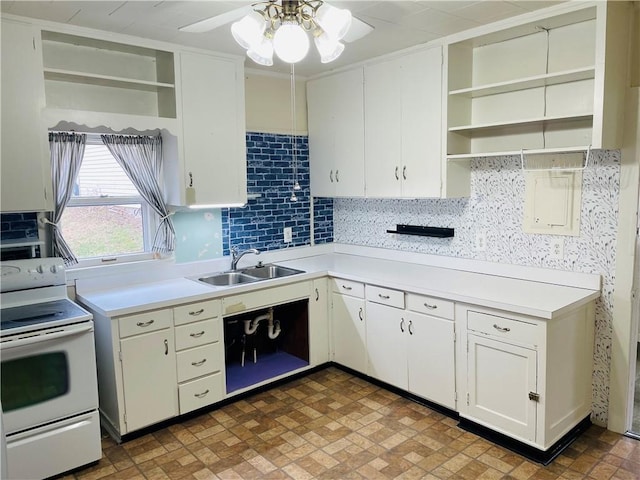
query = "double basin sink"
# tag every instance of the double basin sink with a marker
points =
(248, 275)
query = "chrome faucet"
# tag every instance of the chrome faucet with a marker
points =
(235, 256)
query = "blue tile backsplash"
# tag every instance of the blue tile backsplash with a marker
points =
(19, 226)
(260, 223)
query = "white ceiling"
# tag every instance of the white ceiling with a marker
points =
(398, 24)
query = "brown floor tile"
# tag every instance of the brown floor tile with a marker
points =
(332, 425)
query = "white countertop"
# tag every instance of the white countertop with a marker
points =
(525, 297)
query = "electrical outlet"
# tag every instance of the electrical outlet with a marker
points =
(288, 234)
(557, 249)
(481, 241)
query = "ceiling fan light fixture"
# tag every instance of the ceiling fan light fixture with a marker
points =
(328, 47)
(249, 30)
(334, 21)
(290, 42)
(262, 53)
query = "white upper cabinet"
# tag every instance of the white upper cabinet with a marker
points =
(212, 148)
(26, 176)
(336, 134)
(553, 80)
(403, 118)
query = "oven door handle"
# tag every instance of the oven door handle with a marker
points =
(65, 332)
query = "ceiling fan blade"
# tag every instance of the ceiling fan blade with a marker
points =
(357, 30)
(214, 22)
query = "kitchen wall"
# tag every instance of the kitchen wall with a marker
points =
(19, 226)
(495, 207)
(270, 177)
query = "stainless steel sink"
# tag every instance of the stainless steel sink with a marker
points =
(270, 271)
(228, 278)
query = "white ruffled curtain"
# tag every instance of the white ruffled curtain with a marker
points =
(141, 159)
(66, 150)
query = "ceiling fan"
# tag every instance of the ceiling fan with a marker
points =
(282, 26)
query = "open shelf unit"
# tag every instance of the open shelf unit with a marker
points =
(537, 83)
(89, 74)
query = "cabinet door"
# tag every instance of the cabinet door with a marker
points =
(318, 322)
(387, 337)
(26, 177)
(348, 121)
(421, 80)
(349, 332)
(321, 136)
(149, 378)
(213, 129)
(500, 376)
(383, 94)
(431, 358)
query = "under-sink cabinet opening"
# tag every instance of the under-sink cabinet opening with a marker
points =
(265, 343)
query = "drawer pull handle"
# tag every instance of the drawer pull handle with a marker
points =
(360, 312)
(402, 325)
(430, 307)
(197, 334)
(347, 288)
(384, 297)
(200, 363)
(409, 328)
(501, 329)
(145, 324)
(197, 312)
(201, 395)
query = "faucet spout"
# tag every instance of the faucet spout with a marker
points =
(235, 256)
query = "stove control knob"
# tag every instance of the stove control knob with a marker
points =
(54, 268)
(40, 269)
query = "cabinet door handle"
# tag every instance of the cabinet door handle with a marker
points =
(145, 324)
(317, 295)
(404, 172)
(331, 176)
(190, 179)
(430, 307)
(501, 329)
(360, 312)
(200, 363)
(201, 395)
(197, 312)
(347, 288)
(409, 328)
(397, 176)
(166, 347)
(384, 297)
(402, 325)
(197, 334)
(337, 178)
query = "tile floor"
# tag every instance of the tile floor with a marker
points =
(332, 425)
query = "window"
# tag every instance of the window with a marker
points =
(106, 219)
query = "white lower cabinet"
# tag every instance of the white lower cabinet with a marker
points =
(411, 350)
(149, 378)
(319, 322)
(526, 377)
(349, 324)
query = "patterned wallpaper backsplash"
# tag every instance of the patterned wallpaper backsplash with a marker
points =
(19, 226)
(260, 223)
(495, 208)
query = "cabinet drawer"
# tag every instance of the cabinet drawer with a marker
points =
(348, 287)
(196, 311)
(386, 296)
(430, 305)
(502, 327)
(200, 393)
(197, 333)
(199, 361)
(144, 322)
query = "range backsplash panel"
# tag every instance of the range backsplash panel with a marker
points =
(495, 208)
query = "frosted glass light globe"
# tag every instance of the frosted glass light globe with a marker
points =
(291, 43)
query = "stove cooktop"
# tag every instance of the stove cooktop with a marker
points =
(36, 316)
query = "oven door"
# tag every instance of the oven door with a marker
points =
(47, 375)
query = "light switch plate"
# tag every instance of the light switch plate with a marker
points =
(288, 234)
